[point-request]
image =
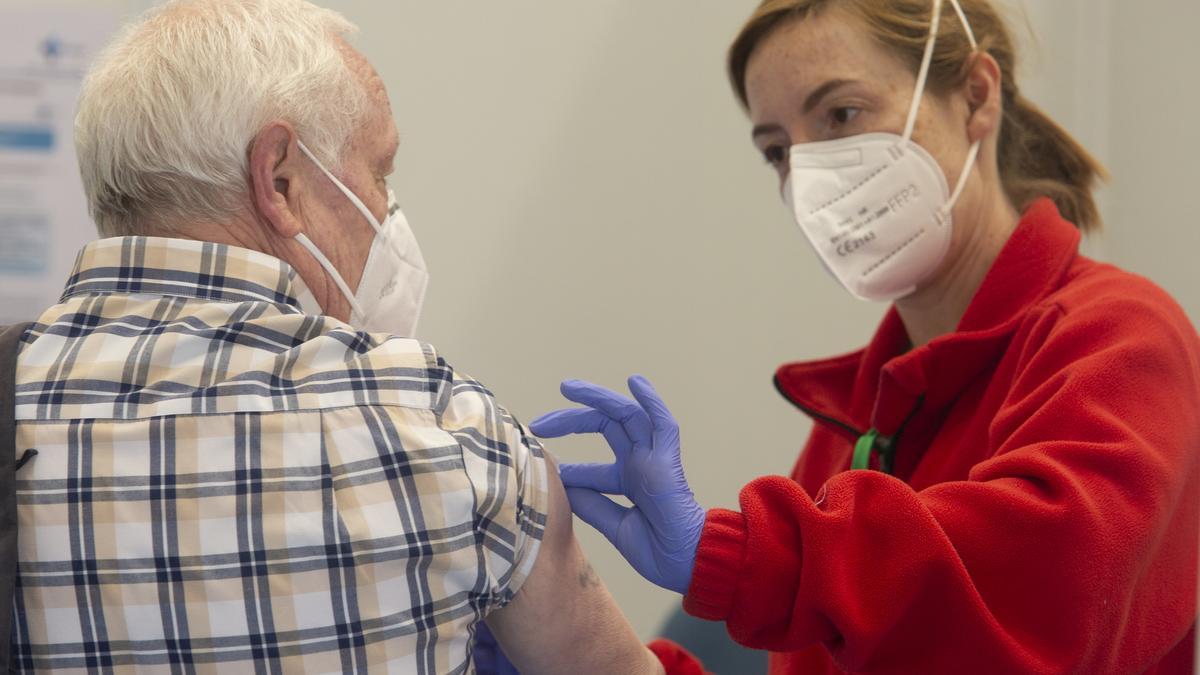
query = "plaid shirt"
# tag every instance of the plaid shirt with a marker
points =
(226, 482)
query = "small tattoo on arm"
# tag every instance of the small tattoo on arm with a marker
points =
(587, 577)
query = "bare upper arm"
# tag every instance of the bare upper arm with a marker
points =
(563, 618)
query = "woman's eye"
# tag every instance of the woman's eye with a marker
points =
(843, 116)
(774, 155)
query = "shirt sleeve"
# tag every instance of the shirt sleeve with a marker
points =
(506, 468)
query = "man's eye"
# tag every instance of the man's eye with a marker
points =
(774, 155)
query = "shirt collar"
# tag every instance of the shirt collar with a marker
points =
(878, 387)
(185, 268)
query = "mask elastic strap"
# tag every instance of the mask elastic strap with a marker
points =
(332, 271)
(962, 18)
(927, 61)
(973, 153)
(358, 204)
(962, 178)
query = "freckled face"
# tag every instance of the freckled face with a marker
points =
(825, 77)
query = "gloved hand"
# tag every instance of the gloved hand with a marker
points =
(489, 659)
(658, 535)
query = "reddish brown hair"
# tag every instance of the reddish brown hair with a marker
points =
(1036, 156)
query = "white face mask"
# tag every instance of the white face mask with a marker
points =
(392, 289)
(877, 207)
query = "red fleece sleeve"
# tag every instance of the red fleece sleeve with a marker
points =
(1071, 548)
(675, 659)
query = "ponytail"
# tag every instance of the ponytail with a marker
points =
(1038, 158)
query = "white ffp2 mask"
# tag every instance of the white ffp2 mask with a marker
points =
(392, 289)
(877, 207)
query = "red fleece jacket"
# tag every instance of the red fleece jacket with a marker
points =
(1042, 515)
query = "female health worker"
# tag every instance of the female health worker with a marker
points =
(1005, 479)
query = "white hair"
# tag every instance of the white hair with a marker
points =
(168, 112)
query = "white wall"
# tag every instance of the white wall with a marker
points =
(1121, 76)
(584, 183)
(1155, 218)
(590, 205)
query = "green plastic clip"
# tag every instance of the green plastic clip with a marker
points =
(862, 450)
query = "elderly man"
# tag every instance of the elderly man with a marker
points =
(245, 464)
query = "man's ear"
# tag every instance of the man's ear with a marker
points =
(983, 89)
(274, 160)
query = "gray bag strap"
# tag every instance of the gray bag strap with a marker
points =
(10, 344)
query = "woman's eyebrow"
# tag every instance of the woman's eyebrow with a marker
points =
(814, 99)
(764, 130)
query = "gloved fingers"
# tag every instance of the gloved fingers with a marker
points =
(604, 478)
(598, 511)
(666, 430)
(621, 408)
(567, 421)
(583, 421)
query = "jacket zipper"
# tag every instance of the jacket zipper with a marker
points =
(847, 429)
(884, 446)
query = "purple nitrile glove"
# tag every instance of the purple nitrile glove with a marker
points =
(489, 659)
(658, 535)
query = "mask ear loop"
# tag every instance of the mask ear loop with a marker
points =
(332, 271)
(358, 203)
(973, 153)
(962, 18)
(321, 258)
(922, 79)
(963, 175)
(923, 73)
(927, 60)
